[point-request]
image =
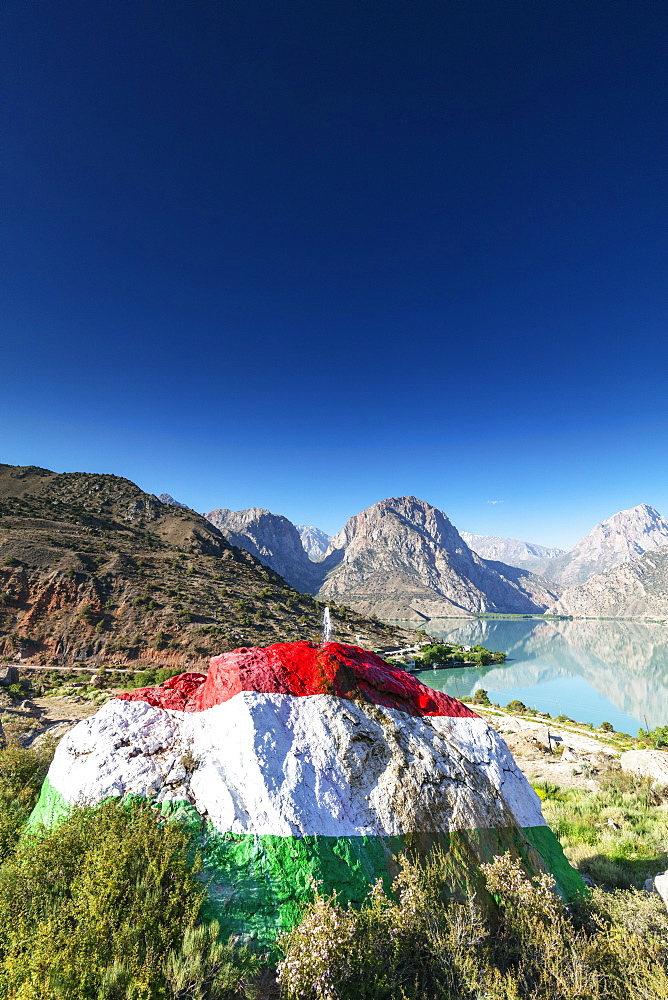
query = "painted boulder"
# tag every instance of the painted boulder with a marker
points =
(295, 763)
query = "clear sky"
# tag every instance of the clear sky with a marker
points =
(308, 254)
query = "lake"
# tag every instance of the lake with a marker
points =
(592, 671)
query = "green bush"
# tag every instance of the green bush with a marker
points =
(481, 697)
(516, 706)
(151, 677)
(512, 940)
(22, 772)
(105, 907)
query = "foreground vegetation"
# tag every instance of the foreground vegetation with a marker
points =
(618, 836)
(510, 939)
(107, 907)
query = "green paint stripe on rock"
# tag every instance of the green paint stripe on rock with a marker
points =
(259, 886)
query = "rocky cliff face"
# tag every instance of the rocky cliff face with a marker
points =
(402, 558)
(637, 588)
(273, 540)
(315, 541)
(624, 536)
(525, 555)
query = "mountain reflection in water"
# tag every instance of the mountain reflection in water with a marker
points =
(589, 670)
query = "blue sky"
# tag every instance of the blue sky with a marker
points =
(308, 255)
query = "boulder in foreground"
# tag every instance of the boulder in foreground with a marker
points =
(297, 762)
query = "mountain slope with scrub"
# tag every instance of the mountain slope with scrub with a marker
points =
(92, 569)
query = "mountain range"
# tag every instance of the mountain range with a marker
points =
(400, 559)
(94, 570)
(524, 555)
(621, 537)
(403, 559)
(93, 566)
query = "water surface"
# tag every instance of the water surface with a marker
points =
(592, 671)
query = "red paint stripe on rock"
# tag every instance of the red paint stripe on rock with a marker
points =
(301, 669)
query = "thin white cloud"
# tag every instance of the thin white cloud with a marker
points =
(495, 501)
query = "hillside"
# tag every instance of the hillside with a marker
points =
(637, 588)
(402, 558)
(513, 552)
(93, 569)
(625, 535)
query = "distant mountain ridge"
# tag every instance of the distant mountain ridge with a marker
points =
(525, 555)
(403, 558)
(314, 540)
(637, 588)
(624, 536)
(272, 539)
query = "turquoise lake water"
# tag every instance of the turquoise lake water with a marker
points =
(592, 671)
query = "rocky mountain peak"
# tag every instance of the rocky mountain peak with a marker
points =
(626, 535)
(272, 539)
(166, 498)
(402, 557)
(315, 541)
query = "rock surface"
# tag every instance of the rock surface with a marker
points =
(624, 536)
(303, 762)
(272, 539)
(524, 555)
(635, 589)
(647, 763)
(402, 558)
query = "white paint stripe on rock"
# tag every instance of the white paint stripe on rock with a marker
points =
(289, 766)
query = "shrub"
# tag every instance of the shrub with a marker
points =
(606, 727)
(516, 706)
(422, 941)
(22, 772)
(105, 906)
(481, 697)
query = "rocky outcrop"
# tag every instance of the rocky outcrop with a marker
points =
(171, 502)
(647, 763)
(314, 540)
(402, 558)
(273, 540)
(511, 551)
(624, 536)
(298, 763)
(635, 589)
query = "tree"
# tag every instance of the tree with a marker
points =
(516, 706)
